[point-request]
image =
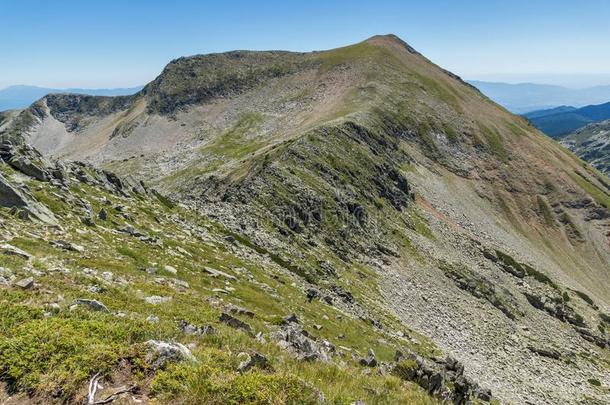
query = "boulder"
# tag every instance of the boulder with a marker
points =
(161, 353)
(156, 300)
(237, 310)
(254, 360)
(218, 273)
(26, 283)
(292, 318)
(11, 196)
(545, 352)
(235, 323)
(312, 293)
(30, 167)
(62, 244)
(370, 360)
(292, 338)
(14, 251)
(191, 329)
(93, 305)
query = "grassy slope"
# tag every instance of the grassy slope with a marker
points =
(52, 351)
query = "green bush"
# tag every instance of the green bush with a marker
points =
(211, 383)
(46, 354)
(406, 369)
(585, 297)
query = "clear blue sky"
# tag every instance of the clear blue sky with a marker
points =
(65, 43)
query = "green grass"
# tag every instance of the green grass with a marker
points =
(585, 297)
(599, 195)
(358, 52)
(54, 355)
(545, 210)
(233, 143)
(62, 352)
(494, 142)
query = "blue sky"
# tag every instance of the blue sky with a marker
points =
(126, 43)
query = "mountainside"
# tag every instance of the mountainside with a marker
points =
(372, 175)
(591, 144)
(557, 122)
(16, 97)
(525, 97)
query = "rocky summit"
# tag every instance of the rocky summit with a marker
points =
(355, 225)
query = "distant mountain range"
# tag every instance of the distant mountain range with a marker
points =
(21, 96)
(559, 121)
(526, 97)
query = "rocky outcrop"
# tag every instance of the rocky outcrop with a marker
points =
(444, 379)
(294, 339)
(24, 203)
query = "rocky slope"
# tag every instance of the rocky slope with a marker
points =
(108, 291)
(591, 144)
(371, 173)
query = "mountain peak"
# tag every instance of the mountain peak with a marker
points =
(391, 40)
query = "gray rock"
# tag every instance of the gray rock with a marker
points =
(191, 329)
(218, 273)
(370, 360)
(30, 167)
(161, 353)
(152, 319)
(292, 318)
(26, 283)
(14, 251)
(11, 196)
(235, 323)
(236, 310)
(254, 360)
(94, 305)
(62, 244)
(312, 293)
(156, 300)
(292, 338)
(545, 352)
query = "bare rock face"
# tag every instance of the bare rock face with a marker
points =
(13, 197)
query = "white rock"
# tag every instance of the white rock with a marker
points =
(155, 299)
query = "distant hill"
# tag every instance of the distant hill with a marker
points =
(525, 97)
(21, 96)
(560, 121)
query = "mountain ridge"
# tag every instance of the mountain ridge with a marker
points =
(21, 96)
